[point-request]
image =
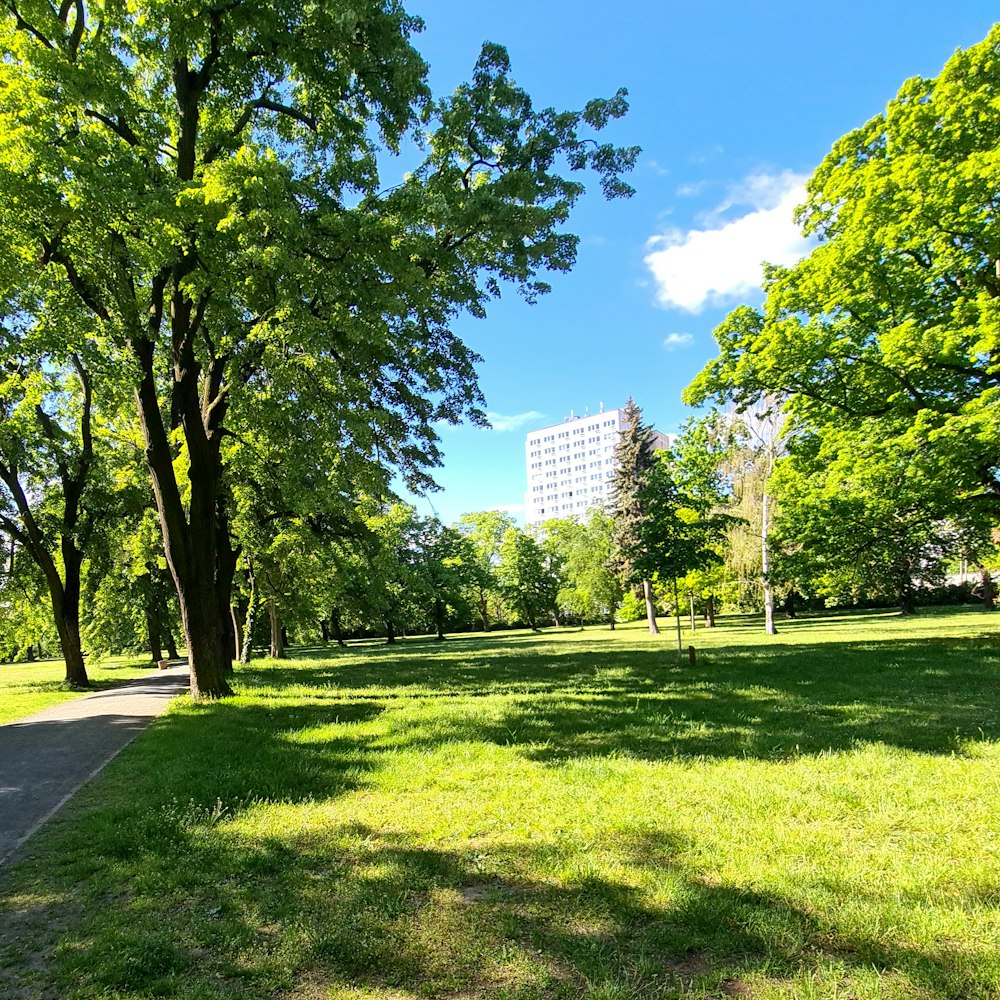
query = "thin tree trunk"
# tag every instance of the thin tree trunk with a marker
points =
(907, 604)
(338, 633)
(253, 606)
(152, 619)
(647, 594)
(765, 566)
(439, 618)
(677, 616)
(691, 607)
(277, 632)
(237, 632)
(987, 585)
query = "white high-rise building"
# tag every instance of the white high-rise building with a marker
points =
(570, 464)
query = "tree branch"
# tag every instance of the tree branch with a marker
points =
(23, 25)
(117, 125)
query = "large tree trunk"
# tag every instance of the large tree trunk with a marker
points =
(67, 614)
(647, 594)
(390, 632)
(190, 537)
(710, 611)
(171, 645)
(277, 632)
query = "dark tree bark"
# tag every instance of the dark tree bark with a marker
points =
(439, 618)
(29, 653)
(710, 611)
(195, 531)
(907, 602)
(153, 632)
(790, 604)
(390, 632)
(171, 645)
(338, 632)
(64, 588)
(324, 632)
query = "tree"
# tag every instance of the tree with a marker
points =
(584, 550)
(205, 180)
(48, 492)
(895, 315)
(874, 517)
(529, 580)
(485, 530)
(634, 457)
(444, 562)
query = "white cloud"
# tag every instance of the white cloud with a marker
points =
(722, 262)
(674, 340)
(501, 422)
(690, 190)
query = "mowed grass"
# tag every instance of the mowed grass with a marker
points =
(524, 817)
(26, 688)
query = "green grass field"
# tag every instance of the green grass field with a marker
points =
(538, 817)
(26, 688)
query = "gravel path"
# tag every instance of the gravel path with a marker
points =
(46, 757)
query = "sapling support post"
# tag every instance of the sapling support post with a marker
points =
(677, 616)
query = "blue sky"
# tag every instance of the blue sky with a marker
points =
(734, 104)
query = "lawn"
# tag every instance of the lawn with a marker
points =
(539, 817)
(26, 688)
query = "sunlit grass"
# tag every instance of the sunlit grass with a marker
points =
(524, 817)
(26, 688)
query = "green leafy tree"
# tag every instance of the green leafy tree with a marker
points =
(50, 491)
(894, 317)
(527, 576)
(207, 181)
(592, 589)
(876, 519)
(485, 530)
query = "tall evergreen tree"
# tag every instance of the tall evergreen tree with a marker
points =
(634, 458)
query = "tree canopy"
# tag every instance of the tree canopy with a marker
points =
(227, 194)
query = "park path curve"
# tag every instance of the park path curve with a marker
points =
(47, 757)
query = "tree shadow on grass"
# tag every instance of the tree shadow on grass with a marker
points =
(767, 702)
(369, 913)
